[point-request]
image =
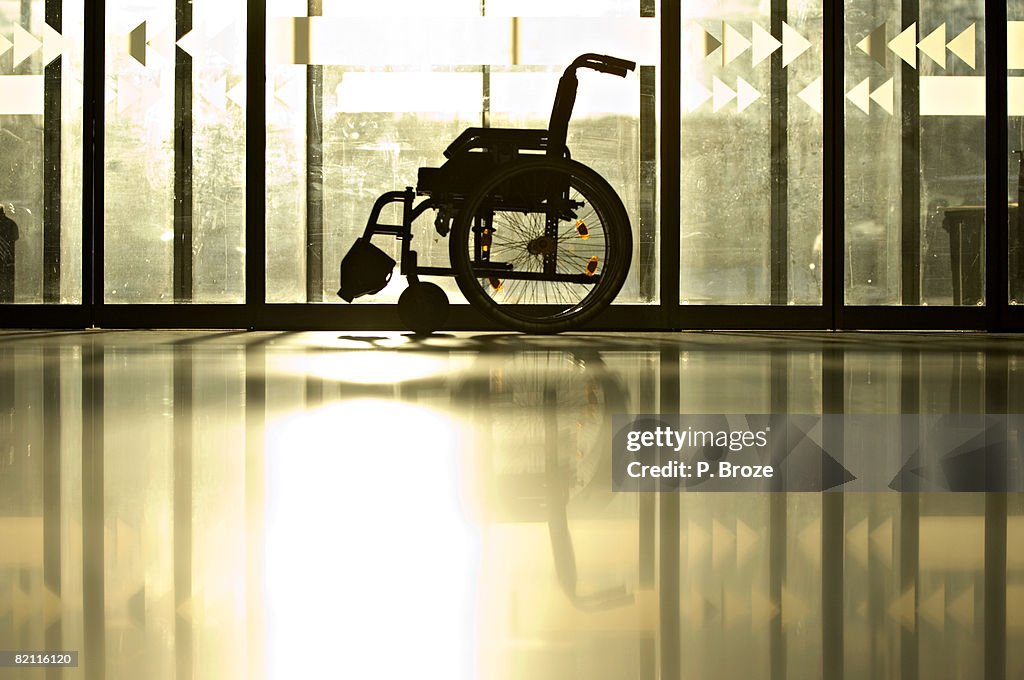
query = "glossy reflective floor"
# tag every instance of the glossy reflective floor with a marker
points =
(282, 505)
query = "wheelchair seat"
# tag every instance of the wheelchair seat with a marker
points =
(473, 154)
(489, 139)
(454, 180)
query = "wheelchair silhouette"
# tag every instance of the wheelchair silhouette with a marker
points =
(538, 242)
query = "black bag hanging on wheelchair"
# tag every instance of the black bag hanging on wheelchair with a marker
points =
(539, 242)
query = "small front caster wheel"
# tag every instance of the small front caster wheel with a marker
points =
(423, 307)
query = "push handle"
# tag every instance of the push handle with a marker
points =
(565, 96)
(604, 64)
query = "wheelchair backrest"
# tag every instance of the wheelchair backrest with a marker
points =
(565, 96)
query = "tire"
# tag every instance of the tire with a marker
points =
(423, 307)
(543, 245)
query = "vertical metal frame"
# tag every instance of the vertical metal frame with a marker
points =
(671, 161)
(997, 224)
(52, 120)
(779, 174)
(255, 153)
(910, 169)
(183, 167)
(314, 173)
(93, 85)
(833, 252)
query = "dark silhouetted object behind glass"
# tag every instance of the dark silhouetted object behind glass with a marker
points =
(8, 235)
(539, 242)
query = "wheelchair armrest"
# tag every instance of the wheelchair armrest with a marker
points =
(487, 138)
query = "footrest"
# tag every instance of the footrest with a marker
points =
(365, 270)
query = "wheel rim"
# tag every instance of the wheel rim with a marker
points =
(568, 235)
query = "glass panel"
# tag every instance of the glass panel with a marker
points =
(175, 151)
(41, 152)
(751, 194)
(378, 100)
(915, 152)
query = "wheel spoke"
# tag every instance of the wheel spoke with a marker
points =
(522, 241)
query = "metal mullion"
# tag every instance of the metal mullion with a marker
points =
(255, 151)
(910, 170)
(183, 220)
(648, 190)
(485, 82)
(669, 212)
(833, 167)
(93, 118)
(997, 221)
(779, 176)
(52, 120)
(314, 173)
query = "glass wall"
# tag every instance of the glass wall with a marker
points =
(751, 194)
(41, 151)
(361, 95)
(915, 152)
(175, 151)
(357, 103)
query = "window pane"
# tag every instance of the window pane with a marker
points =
(378, 100)
(915, 153)
(41, 152)
(751, 194)
(175, 151)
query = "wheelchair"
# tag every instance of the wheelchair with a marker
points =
(538, 242)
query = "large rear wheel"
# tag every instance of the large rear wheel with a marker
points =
(543, 246)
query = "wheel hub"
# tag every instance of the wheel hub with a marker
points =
(542, 245)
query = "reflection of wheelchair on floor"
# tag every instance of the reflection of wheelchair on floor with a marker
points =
(544, 428)
(539, 242)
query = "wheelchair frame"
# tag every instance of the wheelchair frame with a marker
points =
(474, 154)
